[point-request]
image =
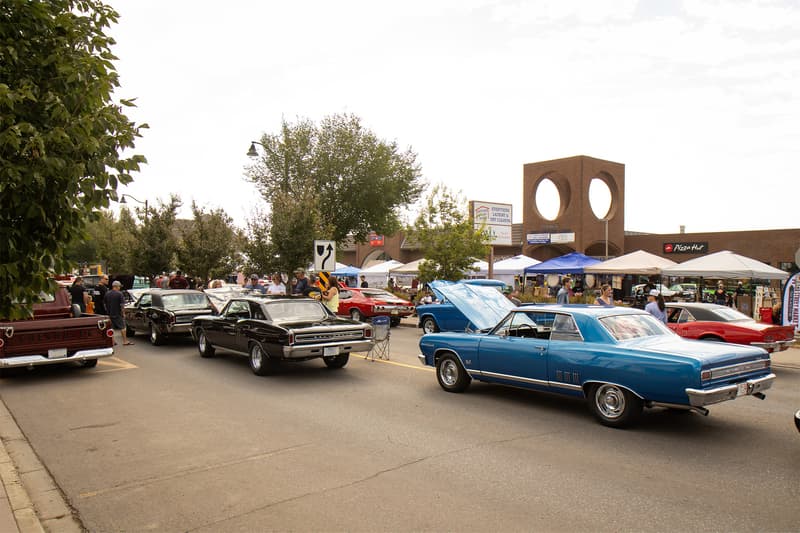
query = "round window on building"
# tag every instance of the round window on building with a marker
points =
(548, 200)
(599, 198)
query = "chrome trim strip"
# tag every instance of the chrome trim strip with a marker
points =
(542, 383)
(737, 369)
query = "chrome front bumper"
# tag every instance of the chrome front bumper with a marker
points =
(38, 360)
(701, 397)
(306, 351)
(777, 346)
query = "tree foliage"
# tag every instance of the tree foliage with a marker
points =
(332, 180)
(108, 240)
(157, 240)
(447, 238)
(208, 245)
(60, 137)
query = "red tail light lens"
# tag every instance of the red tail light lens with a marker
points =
(109, 333)
(291, 337)
(2, 343)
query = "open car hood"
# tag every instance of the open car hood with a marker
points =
(483, 306)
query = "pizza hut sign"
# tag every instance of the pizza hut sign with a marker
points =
(685, 247)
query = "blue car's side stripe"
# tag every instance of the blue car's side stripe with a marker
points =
(477, 374)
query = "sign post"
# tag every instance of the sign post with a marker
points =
(324, 255)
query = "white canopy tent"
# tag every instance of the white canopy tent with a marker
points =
(482, 269)
(378, 275)
(405, 274)
(638, 262)
(506, 269)
(725, 265)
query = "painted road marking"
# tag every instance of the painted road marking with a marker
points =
(395, 363)
(115, 363)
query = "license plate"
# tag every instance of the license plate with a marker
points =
(395, 312)
(330, 350)
(57, 353)
(741, 389)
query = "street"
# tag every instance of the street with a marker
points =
(158, 438)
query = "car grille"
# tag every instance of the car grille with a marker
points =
(310, 338)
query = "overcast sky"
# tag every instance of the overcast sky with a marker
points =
(699, 99)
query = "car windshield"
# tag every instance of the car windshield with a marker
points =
(291, 310)
(184, 300)
(625, 327)
(726, 314)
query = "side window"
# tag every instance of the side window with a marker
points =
(238, 309)
(565, 329)
(146, 300)
(686, 316)
(256, 312)
(344, 295)
(504, 326)
(673, 313)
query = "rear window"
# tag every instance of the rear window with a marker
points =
(184, 301)
(625, 327)
(291, 310)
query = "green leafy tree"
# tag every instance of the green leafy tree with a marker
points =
(330, 181)
(447, 238)
(60, 137)
(208, 248)
(107, 240)
(157, 243)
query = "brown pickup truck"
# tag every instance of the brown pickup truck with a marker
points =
(56, 334)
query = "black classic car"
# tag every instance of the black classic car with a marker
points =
(165, 312)
(269, 330)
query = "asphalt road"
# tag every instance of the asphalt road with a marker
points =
(160, 439)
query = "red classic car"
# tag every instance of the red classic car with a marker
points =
(359, 304)
(711, 322)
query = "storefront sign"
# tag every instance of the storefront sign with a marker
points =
(562, 238)
(375, 240)
(538, 238)
(496, 218)
(550, 238)
(791, 303)
(685, 247)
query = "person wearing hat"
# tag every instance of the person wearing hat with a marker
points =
(115, 304)
(655, 305)
(300, 285)
(254, 285)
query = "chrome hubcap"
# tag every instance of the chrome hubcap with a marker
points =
(255, 357)
(428, 326)
(610, 401)
(153, 333)
(449, 373)
(202, 342)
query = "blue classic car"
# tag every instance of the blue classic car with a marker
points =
(444, 316)
(620, 359)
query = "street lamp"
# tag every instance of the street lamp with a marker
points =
(252, 152)
(123, 201)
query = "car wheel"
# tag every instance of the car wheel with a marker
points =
(355, 314)
(451, 375)
(394, 321)
(337, 361)
(89, 363)
(205, 347)
(613, 405)
(156, 337)
(260, 363)
(429, 325)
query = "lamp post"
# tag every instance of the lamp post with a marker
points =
(123, 201)
(252, 152)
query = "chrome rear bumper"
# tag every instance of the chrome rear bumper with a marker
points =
(39, 360)
(701, 397)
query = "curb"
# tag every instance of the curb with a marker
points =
(36, 502)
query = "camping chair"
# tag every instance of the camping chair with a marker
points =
(380, 336)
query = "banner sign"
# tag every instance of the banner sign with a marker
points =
(791, 303)
(494, 217)
(375, 240)
(550, 238)
(685, 247)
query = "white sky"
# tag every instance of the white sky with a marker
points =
(699, 99)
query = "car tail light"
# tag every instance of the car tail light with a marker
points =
(367, 333)
(2, 343)
(9, 331)
(109, 333)
(291, 337)
(171, 318)
(705, 375)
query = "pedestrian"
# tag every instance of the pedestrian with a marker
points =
(655, 305)
(115, 307)
(254, 285)
(99, 295)
(300, 285)
(179, 281)
(562, 296)
(78, 293)
(330, 296)
(277, 288)
(606, 297)
(364, 284)
(720, 296)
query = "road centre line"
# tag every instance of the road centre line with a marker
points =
(395, 363)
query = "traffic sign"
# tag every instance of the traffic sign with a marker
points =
(324, 255)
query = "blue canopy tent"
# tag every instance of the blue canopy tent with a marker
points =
(573, 263)
(348, 274)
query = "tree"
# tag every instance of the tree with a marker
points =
(60, 138)
(208, 247)
(157, 244)
(447, 238)
(332, 181)
(107, 240)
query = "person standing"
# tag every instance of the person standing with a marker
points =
(254, 285)
(720, 296)
(115, 306)
(78, 293)
(364, 284)
(330, 297)
(562, 296)
(606, 297)
(179, 281)
(277, 288)
(656, 306)
(301, 282)
(99, 296)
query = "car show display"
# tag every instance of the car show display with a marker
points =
(162, 313)
(361, 304)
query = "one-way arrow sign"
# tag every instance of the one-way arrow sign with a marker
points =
(324, 255)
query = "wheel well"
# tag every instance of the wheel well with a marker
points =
(588, 384)
(437, 356)
(711, 337)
